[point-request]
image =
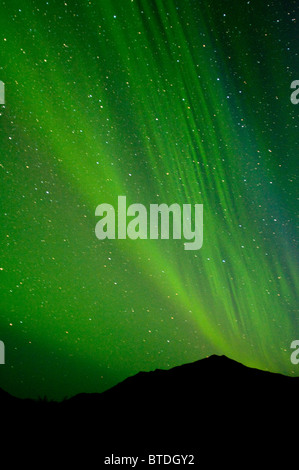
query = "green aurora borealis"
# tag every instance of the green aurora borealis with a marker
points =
(164, 102)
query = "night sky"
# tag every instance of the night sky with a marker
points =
(170, 101)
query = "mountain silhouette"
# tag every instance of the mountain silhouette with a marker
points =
(216, 409)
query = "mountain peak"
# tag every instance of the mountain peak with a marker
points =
(213, 404)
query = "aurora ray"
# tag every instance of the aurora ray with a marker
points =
(164, 102)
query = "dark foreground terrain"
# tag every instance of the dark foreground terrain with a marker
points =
(216, 409)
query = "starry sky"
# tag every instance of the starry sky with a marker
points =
(170, 101)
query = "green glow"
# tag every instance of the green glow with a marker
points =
(164, 102)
